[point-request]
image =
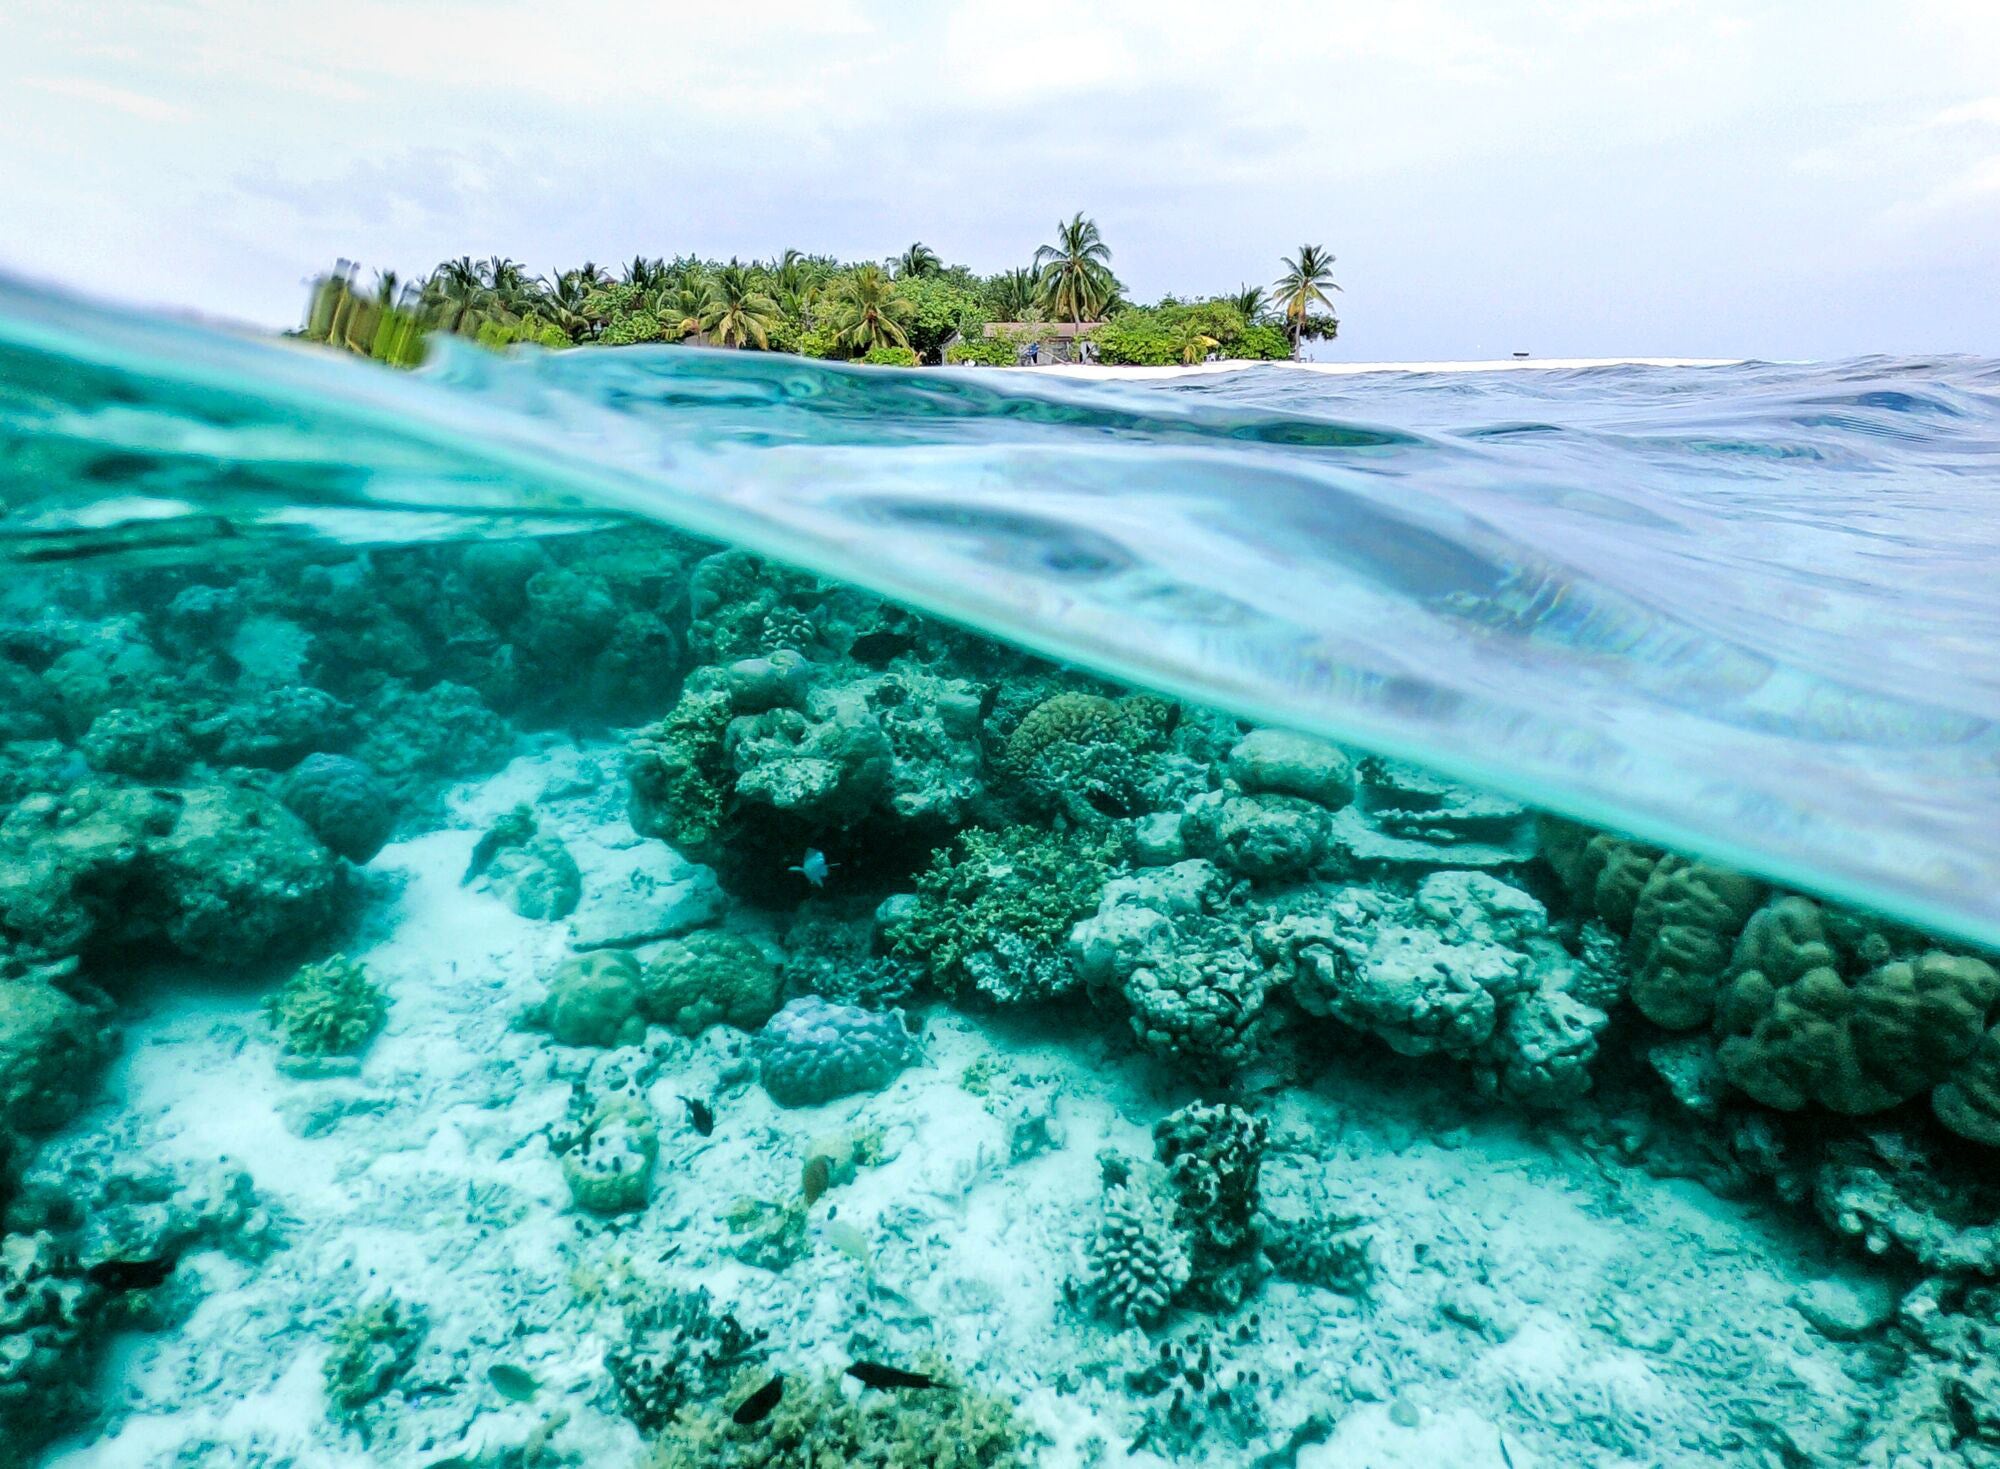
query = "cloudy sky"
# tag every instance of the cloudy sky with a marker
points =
(1781, 178)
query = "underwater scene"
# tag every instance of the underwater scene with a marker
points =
(887, 920)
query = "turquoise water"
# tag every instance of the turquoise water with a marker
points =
(662, 909)
(1741, 610)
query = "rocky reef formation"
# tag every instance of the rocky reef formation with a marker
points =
(841, 829)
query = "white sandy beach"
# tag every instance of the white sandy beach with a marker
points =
(1352, 369)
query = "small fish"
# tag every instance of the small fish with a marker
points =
(124, 1275)
(513, 1383)
(815, 867)
(1505, 1457)
(874, 1374)
(701, 1115)
(818, 1177)
(757, 1407)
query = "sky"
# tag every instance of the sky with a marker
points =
(1787, 179)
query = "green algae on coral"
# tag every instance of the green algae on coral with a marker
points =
(993, 913)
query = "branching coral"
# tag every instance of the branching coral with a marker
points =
(837, 962)
(371, 1348)
(1212, 1155)
(331, 1008)
(1029, 886)
(1138, 1257)
(678, 1350)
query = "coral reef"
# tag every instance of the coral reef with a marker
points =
(214, 872)
(330, 1008)
(368, 1352)
(812, 1051)
(533, 874)
(345, 806)
(594, 999)
(992, 914)
(51, 1046)
(837, 960)
(709, 978)
(608, 1162)
(816, 1425)
(1212, 1155)
(1138, 1257)
(676, 1350)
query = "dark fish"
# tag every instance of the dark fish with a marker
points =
(1505, 1457)
(122, 1275)
(757, 1407)
(818, 1177)
(701, 1115)
(513, 1383)
(483, 853)
(874, 1374)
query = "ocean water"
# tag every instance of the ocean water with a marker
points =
(671, 908)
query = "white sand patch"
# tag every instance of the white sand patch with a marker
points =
(1350, 369)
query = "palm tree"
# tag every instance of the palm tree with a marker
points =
(460, 298)
(1076, 278)
(919, 260)
(737, 313)
(1304, 283)
(567, 301)
(643, 273)
(865, 311)
(1196, 346)
(682, 306)
(1250, 301)
(1014, 293)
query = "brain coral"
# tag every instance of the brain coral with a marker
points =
(344, 804)
(1684, 930)
(1805, 1018)
(811, 1051)
(710, 978)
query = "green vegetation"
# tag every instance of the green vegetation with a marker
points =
(916, 311)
